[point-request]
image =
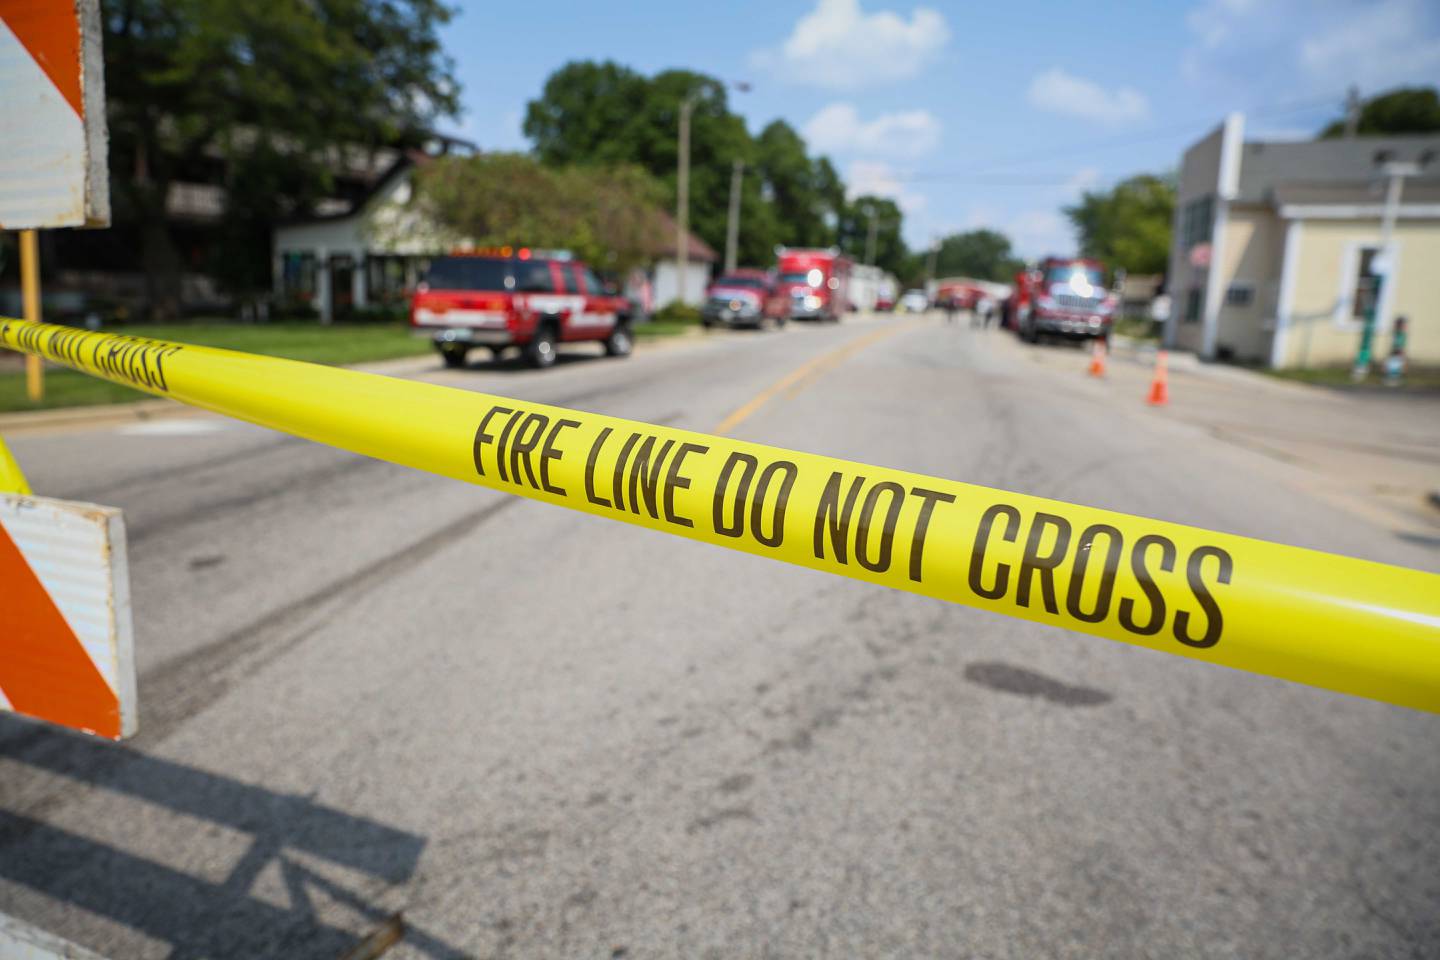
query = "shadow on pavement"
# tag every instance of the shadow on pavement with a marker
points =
(197, 916)
(1007, 678)
(514, 362)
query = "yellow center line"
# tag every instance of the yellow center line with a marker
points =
(807, 373)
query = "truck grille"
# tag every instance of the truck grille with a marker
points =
(1077, 303)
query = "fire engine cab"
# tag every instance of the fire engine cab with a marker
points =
(505, 297)
(1062, 296)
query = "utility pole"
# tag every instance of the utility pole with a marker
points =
(1383, 263)
(1352, 112)
(682, 199)
(870, 237)
(732, 226)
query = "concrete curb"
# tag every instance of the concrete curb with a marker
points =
(101, 415)
(1181, 361)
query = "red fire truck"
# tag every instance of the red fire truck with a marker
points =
(815, 283)
(503, 297)
(1061, 296)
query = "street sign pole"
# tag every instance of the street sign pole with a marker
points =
(1381, 264)
(30, 294)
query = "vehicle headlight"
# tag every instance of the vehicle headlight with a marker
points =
(815, 278)
(812, 302)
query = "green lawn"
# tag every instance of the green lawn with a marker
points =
(664, 328)
(1416, 378)
(295, 341)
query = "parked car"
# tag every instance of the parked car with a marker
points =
(742, 298)
(914, 301)
(517, 298)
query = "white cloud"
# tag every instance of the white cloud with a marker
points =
(1310, 47)
(839, 46)
(1388, 45)
(1083, 179)
(1061, 92)
(879, 179)
(1039, 231)
(839, 129)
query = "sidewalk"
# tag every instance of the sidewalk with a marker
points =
(1376, 453)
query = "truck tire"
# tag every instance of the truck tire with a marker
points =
(620, 342)
(453, 356)
(541, 351)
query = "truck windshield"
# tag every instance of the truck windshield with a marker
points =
(795, 277)
(469, 273)
(1063, 275)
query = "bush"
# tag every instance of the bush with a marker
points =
(677, 312)
(377, 313)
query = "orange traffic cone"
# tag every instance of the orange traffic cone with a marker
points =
(1160, 384)
(1097, 358)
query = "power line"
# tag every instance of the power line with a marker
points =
(1107, 144)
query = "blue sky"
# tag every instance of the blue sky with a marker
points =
(971, 115)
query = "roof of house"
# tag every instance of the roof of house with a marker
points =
(1353, 194)
(663, 245)
(1267, 166)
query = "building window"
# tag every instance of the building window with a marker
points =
(388, 281)
(1192, 305)
(1196, 221)
(1239, 295)
(1365, 285)
(299, 276)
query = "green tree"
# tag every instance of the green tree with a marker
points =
(266, 93)
(854, 231)
(604, 113)
(1127, 227)
(1402, 110)
(588, 113)
(797, 187)
(607, 215)
(979, 254)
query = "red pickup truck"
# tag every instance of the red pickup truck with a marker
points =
(528, 299)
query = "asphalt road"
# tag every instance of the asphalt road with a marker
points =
(539, 733)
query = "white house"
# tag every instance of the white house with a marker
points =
(375, 251)
(370, 254)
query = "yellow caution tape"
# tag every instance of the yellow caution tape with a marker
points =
(1349, 625)
(12, 480)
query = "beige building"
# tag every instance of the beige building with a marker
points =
(1275, 255)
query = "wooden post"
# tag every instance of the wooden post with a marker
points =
(30, 294)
